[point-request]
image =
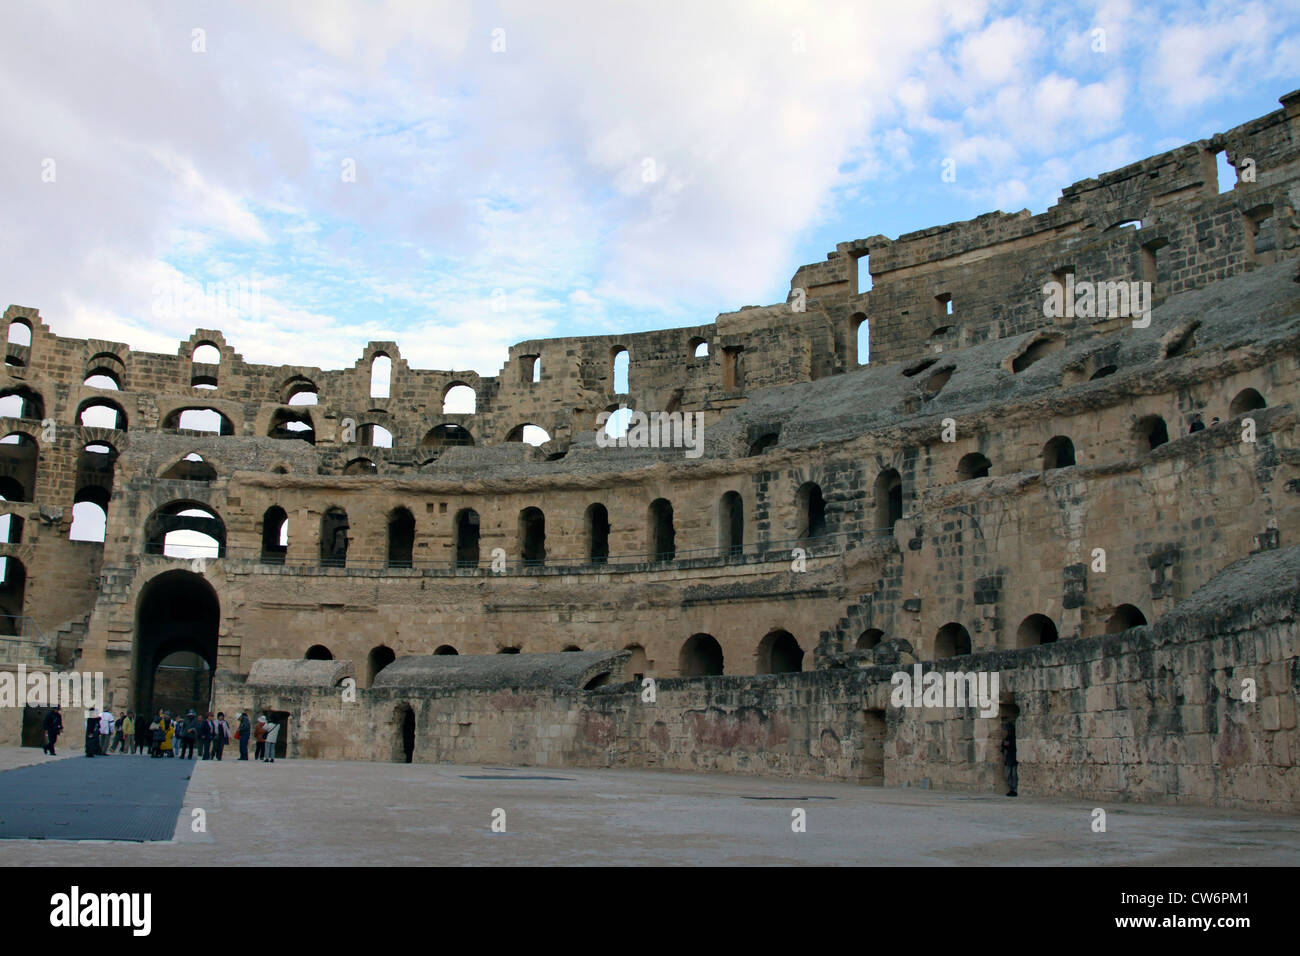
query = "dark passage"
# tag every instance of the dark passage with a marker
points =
(101, 798)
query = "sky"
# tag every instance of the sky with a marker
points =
(458, 177)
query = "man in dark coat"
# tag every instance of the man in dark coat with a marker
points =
(53, 726)
(188, 731)
(205, 736)
(245, 731)
(92, 735)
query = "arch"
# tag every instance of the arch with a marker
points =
(779, 653)
(513, 649)
(298, 392)
(445, 436)
(869, 639)
(1247, 400)
(446, 650)
(731, 525)
(619, 421)
(1058, 453)
(178, 612)
(1102, 372)
(361, 466)
(287, 423)
(860, 326)
(190, 468)
(185, 529)
(381, 376)
(378, 658)
(620, 362)
(467, 538)
(1150, 432)
(1036, 629)
(95, 468)
(1038, 349)
(19, 456)
(532, 537)
(20, 332)
(375, 436)
(24, 402)
(763, 442)
(89, 521)
(334, 538)
(701, 656)
(11, 529)
(812, 511)
(529, 434)
(401, 538)
(597, 524)
(206, 353)
(1125, 616)
(103, 380)
(403, 733)
(13, 595)
(661, 536)
(198, 419)
(971, 466)
(530, 368)
(889, 500)
(953, 640)
(318, 652)
(459, 399)
(275, 535)
(699, 347)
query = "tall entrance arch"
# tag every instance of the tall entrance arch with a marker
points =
(176, 622)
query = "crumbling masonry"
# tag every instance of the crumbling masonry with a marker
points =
(995, 490)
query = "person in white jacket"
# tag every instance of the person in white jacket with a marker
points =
(272, 735)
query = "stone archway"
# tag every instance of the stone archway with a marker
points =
(178, 613)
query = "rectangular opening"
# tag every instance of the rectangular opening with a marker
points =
(874, 730)
(732, 371)
(943, 305)
(863, 278)
(1225, 172)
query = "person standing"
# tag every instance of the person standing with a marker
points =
(53, 726)
(272, 737)
(93, 734)
(1011, 764)
(242, 731)
(259, 735)
(170, 741)
(126, 732)
(220, 736)
(206, 733)
(119, 734)
(105, 730)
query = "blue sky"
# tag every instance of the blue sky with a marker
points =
(458, 176)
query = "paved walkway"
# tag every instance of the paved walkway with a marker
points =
(311, 812)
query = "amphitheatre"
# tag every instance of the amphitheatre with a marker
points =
(399, 578)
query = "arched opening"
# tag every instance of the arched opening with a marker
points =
(401, 538)
(100, 413)
(779, 653)
(459, 399)
(191, 468)
(11, 528)
(206, 420)
(318, 652)
(1038, 349)
(812, 511)
(185, 529)
(95, 466)
(1151, 432)
(375, 436)
(103, 381)
(597, 522)
(620, 365)
(19, 454)
(1125, 617)
(206, 354)
(1247, 400)
(275, 535)
(286, 423)
(361, 466)
(861, 339)
(699, 347)
(662, 536)
(20, 333)
(530, 368)
(529, 434)
(13, 594)
(889, 500)
(378, 658)
(532, 537)
(571, 648)
(1058, 453)
(971, 466)
(701, 656)
(299, 392)
(731, 525)
(381, 375)
(404, 733)
(177, 620)
(1036, 629)
(23, 402)
(334, 538)
(869, 639)
(467, 532)
(445, 436)
(953, 640)
(763, 442)
(1102, 372)
(509, 650)
(89, 520)
(446, 650)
